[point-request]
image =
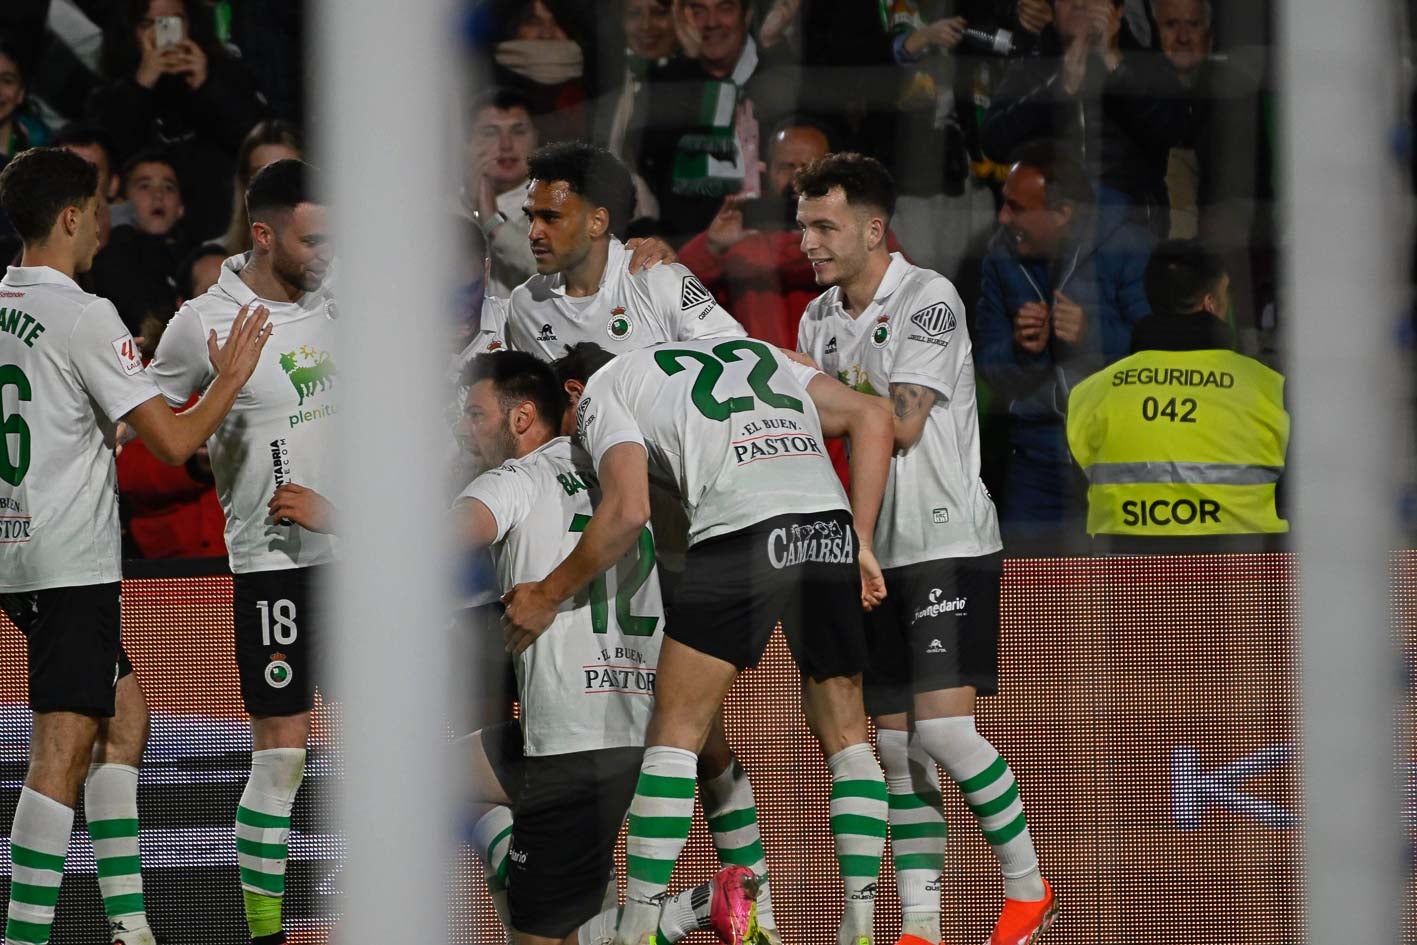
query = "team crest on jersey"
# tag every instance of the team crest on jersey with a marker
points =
(882, 332)
(935, 320)
(547, 334)
(278, 672)
(831, 346)
(310, 371)
(494, 346)
(692, 293)
(619, 327)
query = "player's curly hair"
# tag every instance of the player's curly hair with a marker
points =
(41, 183)
(864, 180)
(592, 172)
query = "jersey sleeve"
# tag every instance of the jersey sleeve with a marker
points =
(931, 344)
(696, 313)
(106, 359)
(801, 373)
(604, 420)
(182, 366)
(506, 491)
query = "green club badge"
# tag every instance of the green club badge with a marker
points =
(882, 332)
(278, 672)
(619, 326)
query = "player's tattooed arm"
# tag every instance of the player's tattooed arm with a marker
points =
(911, 405)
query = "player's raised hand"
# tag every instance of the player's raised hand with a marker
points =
(646, 252)
(873, 582)
(237, 358)
(529, 612)
(305, 507)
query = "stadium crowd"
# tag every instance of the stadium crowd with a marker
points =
(1139, 120)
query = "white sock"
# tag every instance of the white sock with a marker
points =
(991, 793)
(683, 913)
(491, 839)
(858, 820)
(39, 841)
(918, 830)
(661, 813)
(263, 823)
(111, 807)
(732, 815)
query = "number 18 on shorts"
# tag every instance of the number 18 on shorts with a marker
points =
(273, 613)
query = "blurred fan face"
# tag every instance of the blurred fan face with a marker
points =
(792, 150)
(723, 30)
(1033, 227)
(156, 198)
(1185, 36)
(560, 226)
(263, 154)
(1074, 18)
(145, 30)
(502, 140)
(486, 428)
(835, 237)
(539, 23)
(649, 29)
(12, 88)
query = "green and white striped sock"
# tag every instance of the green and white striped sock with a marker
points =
(39, 841)
(992, 795)
(858, 820)
(660, 816)
(111, 807)
(917, 830)
(262, 832)
(492, 838)
(732, 815)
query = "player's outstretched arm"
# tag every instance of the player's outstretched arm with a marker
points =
(173, 438)
(866, 421)
(610, 533)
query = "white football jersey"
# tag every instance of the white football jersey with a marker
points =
(665, 303)
(913, 332)
(588, 681)
(69, 371)
(279, 430)
(729, 422)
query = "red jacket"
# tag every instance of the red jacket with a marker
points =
(169, 513)
(764, 280)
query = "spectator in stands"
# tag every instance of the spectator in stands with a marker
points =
(18, 131)
(1185, 438)
(1062, 287)
(750, 256)
(650, 42)
(499, 142)
(544, 51)
(691, 163)
(191, 98)
(270, 141)
(92, 145)
(135, 271)
(1119, 112)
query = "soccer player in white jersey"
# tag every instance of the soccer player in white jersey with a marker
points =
(738, 426)
(69, 372)
(579, 197)
(586, 687)
(897, 331)
(279, 432)
(591, 288)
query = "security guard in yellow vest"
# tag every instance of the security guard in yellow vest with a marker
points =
(1185, 437)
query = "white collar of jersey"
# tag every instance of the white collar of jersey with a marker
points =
(37, 275)
(232, 284)
(617, 260)
(895, 272)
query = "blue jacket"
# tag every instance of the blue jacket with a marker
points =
(1104, 272)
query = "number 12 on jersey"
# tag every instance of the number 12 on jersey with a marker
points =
(628, 585)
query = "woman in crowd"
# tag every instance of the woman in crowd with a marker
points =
(270, 141)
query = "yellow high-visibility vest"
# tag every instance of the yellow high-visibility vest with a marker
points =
(1181, 443)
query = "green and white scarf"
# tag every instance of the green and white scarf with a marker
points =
(708, 161)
